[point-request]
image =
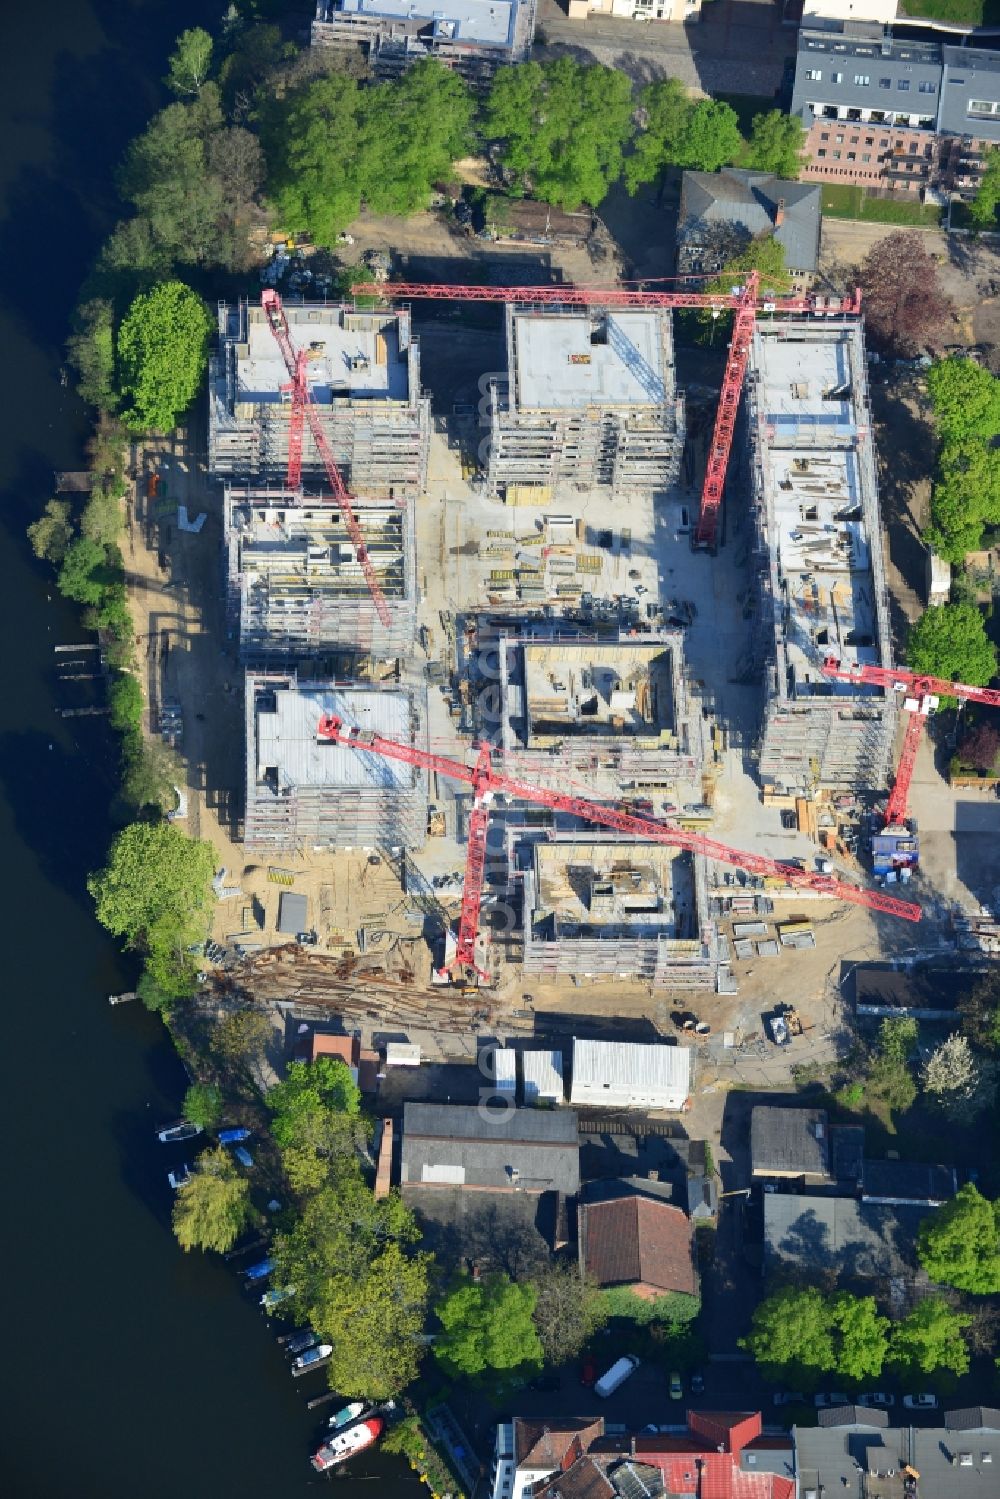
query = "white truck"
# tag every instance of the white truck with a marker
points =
(616, 1375)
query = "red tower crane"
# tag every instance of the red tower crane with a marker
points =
(744, 301)
(304, 409)
(487, 783)
(923, 694)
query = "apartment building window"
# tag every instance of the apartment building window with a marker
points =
(869, 140)
(836, 155)
(853, 141)
(852, 155)
(821, 151)
(983, 109)
(885, 83)
(836, 77)
(866, 156)
(927, 87)
(839, 139)
(814, 75)
(862, 80)
(883, 142)
(903, 84)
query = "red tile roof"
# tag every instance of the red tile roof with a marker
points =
(347, 1048)
(555, 1444)
(694, 1464)
(729, 1429)
(586, 1479)
(638, 1241)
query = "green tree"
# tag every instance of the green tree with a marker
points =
(156, 882)
(151, 773)
(203, 1105)
(983, 208)
(776, 144)
(316, 1110)
(980, 1011)
(91, 351)
(190, 62)
(213, 1207)
(791, 1336)
(240, 1042)
(413, 132)
(930, 1338)
(86, 572)
(711, 137)
(959, 1243)
(125, 702)
(375, 1323)
(162, 354)
(890, 1078)
(860, 1336)
(152, 996)
(51, 534)
(965, 398)
(950, 641)
(764, 254)
(179, 201)
(696, 135)
(312, 140)
(567, 1311)
(562, 128)
(487, 1325)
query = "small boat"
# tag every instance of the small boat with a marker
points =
(170, 1134)
(232, 1136)
(271, 1299)
(347, 1415)
(179, 1177)
(347, 1443)
(243, 1156)
(259, 1271)
(300, 1341)
(312, 1356)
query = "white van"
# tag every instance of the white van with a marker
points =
(616, 1375)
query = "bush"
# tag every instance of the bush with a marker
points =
(125, 703)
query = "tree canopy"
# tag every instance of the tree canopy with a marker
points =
(316, 1111)
(890, 1077)
(860, 1336)
(190, 62)
(959, 1243)
(567, 1312)
(791, 1335)
(905, 307)
(162, 356)
(695, 134)
(930, 1338)
(776, 144)
(561, 127)
(983, 208)
(980, 1011)
(966, 494)
(213, 1207)
(156, 892)
(203, 1105)
(488, 1325)
(332, 145)
(950, 641)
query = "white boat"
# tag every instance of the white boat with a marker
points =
(347, 1443)
(318, 1354)
(347, 1415)
(181, 1130)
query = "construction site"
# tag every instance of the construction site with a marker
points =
(545, 711)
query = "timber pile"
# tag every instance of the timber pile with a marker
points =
(346, 986)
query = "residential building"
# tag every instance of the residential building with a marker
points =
(721, 1455)
(681, 12)
(820, 570)
(542, 1075)
(892, 114)
(721, 212)
(625, 1074)
(302, 792)
(852, 1240)
(822, 12)
(639, 1243)
(364, 379)
(474, 37)
(791, 1143)
(907, 1183)
(589, 399)
(529, 1451)
(527, 1151)
(858, 1452)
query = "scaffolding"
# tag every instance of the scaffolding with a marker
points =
(474, 40)
(295, 587)
(364, 376)
(303, 794)
(602, 907)
(820, 574)
(589, 399)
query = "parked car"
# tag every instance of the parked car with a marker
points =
(676, 1387)
(789, 1397)
(834, 1398)
(877, 1400)
(920, 1402)
(616, 1375)
(588, 1372)
(697, 1384)
(545, 1382)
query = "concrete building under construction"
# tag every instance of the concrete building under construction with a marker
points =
(617, 710)
(821, 588)
(589, 399)
(364, 376)
(473, 37)
(296, 588)
(599, 906)
(302, 793)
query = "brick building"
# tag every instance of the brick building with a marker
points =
(894, 115)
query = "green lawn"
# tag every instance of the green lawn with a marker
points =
(965, 12)
(849, 201)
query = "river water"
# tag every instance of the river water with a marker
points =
(128, 1368)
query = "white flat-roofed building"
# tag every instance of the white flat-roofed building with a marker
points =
(543, 1077)
(473, 37)
(626, 1074)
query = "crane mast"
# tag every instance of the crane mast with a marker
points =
(744, 301)
(303, 406)
(487, 782)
